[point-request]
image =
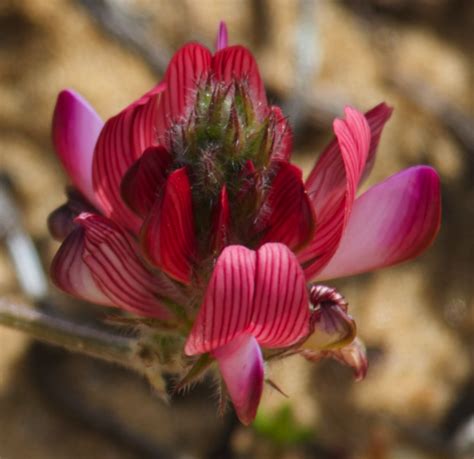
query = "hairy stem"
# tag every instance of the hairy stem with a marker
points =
(69, 335)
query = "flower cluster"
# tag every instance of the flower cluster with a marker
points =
(186, 211)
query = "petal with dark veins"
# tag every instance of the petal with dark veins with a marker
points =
(392, 222)
(332, 186)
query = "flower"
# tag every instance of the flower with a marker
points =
(186, 212)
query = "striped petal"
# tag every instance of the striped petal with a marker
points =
(168, 236)
(241, 366)
(76, 127)
(262, 293)
(111, 255)
(392, 222)
(142, 183)
(188, 67)
(280, 315)
(376, 117)
(226, 311)
(287, 215)
(332, 186)
(237, 63)
(283, 141)
(70, 273)
(121, 142)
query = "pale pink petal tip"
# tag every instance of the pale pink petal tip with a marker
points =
(241, 366)
(76, 128)
(392, 222)
(222, 36)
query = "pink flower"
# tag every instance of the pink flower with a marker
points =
(185, 208)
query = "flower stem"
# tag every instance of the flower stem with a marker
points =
(69, 335)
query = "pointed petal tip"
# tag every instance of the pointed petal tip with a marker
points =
(75, 130)
(222, 38)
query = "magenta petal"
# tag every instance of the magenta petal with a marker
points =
(241, 366)
(237, 63)
(168, 236)
(76, 127)
(287, 215)
(376, 117)
(142, 183)
(226, 311)
(280, 315)
(283, 141)
(392, 222)
(122, 140)
(332, 186)
(187, 69)
(111, 256)
(222, 37)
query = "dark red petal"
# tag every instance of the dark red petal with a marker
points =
(280, 311)
(188, 67)
(287, 215)
(283, 141)
(332, 186)
(122, 140)
(168, 236)
(376, 117)
(143, 181)
(238, 63)
(226, 311)
(221, 222)
(111, 256)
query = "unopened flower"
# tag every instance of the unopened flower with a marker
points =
(186, 212)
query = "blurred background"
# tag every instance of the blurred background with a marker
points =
(417, 319)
